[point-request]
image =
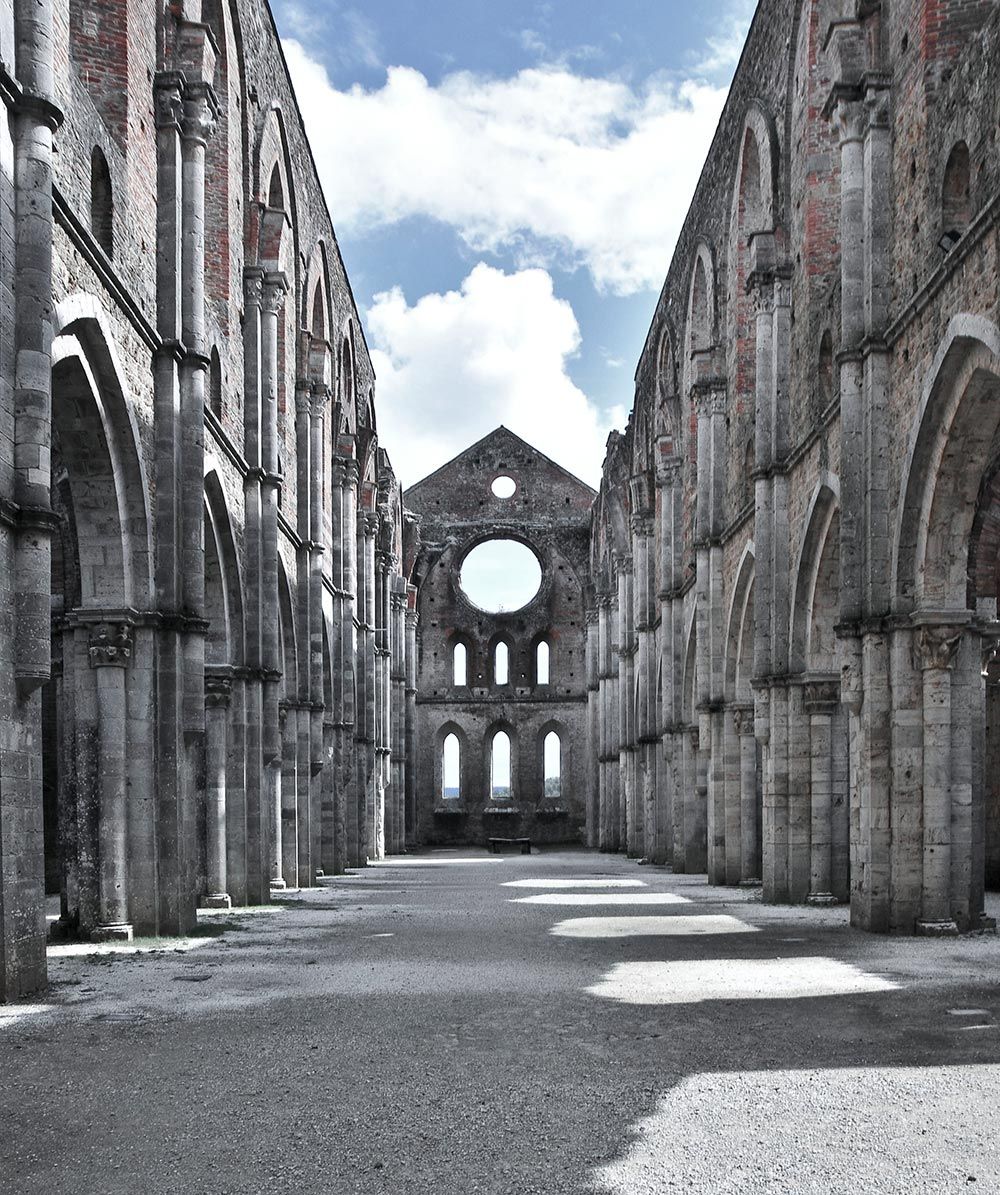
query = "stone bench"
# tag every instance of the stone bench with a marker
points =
(524, 845)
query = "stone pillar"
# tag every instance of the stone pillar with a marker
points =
(259, 795)
(628, 827)
(349, 648)
(366, 664)
(218, 689)
(411, 713)
(821, 700)
(110, 651)
(936, 646)
(594, 729)
(732, 787)
(320, 749)
(743, 721)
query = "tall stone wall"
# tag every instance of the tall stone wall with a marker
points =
(549, 512)
(204, 612)
(798, 520)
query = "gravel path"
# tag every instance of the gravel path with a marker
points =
(455, 1023)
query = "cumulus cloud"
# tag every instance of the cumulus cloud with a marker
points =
(560, 169)
(452, 367)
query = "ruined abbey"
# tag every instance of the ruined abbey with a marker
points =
(238, 655)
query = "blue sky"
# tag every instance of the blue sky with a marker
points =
(507, 181)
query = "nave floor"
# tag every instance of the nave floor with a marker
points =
(451, 1023)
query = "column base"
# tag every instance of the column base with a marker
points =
(821, 898)
(117, 931)
(63, 930)
(750, 884)
(984, 925)
(936, 929)
(217, 900)
(278, 884)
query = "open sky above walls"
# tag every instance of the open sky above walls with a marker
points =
(507, 181)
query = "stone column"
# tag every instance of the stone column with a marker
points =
(369, 530)
(411, 713)
(274, 289)
(350, 646)
(110, 651)
(936, 646)
(821, 700)
(743, 720)
(218, 689)
(320, 749)
(259, 797)
(594, 729)
(732, 787)
(628, 832)
(35, 120)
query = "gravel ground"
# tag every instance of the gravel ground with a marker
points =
(454, 1023)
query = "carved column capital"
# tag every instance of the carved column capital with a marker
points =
(821, 697)
(168, 100)
(274, 289)
(936, 644)
(743, 719)
(110, 645)
(201, 112)
(218, 689)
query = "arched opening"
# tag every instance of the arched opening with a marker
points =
(542, 663)
(500, 770)
(460, 665)
(93, 807)
(956, 196)
(501, 664)
(101, 201)
(275, 191)
(215, 384)
(500, 575)
(552, 765)
(451, 768)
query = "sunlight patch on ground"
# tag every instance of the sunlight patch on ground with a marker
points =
(11, 1014)
(602, 898)
(676, 925)
(735, 979)
(563, 883)
(894, 1130)
(140, 946)
(434, 862)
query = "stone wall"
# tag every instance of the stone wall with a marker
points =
(549, 511)
(804, 468)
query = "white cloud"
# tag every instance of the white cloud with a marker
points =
(560, 169)
(454, 366)
(722, 52)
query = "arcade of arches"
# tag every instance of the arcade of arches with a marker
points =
(239, 656)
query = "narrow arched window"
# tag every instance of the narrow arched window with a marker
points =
(552, 764)
(542, 663)
(275, 191)
(215, 383)
(956, 199)
(460, 663)
(501, 664)
(319, 315)
(500, 786)
(451, 768)
(101, 201)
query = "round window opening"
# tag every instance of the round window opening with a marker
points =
(504, 487)
(500, 575)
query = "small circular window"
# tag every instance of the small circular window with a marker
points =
(500, 575)
(504, 487)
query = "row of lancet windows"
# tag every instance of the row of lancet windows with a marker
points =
(501, 664)
(500, 769)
